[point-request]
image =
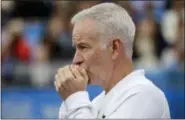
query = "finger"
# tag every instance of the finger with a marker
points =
(83, 72)
(68, 74)
(60, 72)
(59, 85)
(76, 72)
(61, 75)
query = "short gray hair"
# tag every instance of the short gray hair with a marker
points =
(113, 21)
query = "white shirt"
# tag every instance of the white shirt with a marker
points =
(133, 97)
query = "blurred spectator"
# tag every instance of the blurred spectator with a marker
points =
(173, 56)
(65, 38)
(15, 50)
(17, 46)
(170, 20)
(33, 32)
(49, 48)
(51, 39)
(146, 44)
(40, 68)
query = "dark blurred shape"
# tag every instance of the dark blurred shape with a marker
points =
(32, 9)
(168, 4)
(65, 32)
(53, 47)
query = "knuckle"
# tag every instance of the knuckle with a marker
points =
(66, 67)
(72, 67)
(69, 78)
(68, 82)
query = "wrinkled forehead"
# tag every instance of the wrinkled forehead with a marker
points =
(85, 29)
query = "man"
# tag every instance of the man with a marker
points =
(103, 36)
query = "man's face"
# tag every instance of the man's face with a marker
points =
(90, 53)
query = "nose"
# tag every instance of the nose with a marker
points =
(78, 59)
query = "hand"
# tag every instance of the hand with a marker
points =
(70, 79)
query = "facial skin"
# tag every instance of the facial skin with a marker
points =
(90, 53)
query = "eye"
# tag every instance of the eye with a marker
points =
(82, 47)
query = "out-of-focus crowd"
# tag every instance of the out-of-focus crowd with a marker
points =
(36, 37)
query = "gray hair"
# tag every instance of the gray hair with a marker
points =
(113, 21)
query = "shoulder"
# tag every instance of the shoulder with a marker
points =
(151, 96)
(145, 87)
(146, 92)
(141, 88)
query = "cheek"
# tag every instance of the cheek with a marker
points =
(97, 66)
(90, 60)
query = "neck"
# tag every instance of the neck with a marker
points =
(120, 71)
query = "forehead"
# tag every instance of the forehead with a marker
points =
(85, 29)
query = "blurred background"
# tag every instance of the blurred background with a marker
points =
(36, 41)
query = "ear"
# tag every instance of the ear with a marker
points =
(115, 47)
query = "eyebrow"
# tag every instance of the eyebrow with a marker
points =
(80, 43)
